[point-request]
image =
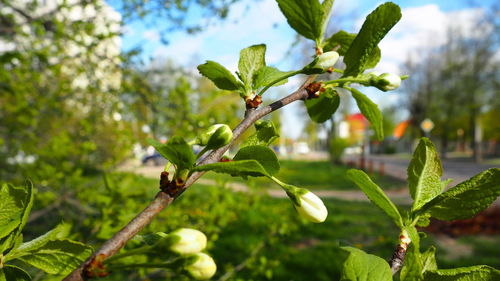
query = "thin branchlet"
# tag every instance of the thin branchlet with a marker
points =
(162, 199)
(398, 258)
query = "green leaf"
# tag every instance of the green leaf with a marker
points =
(15, 207)
(28, 204)
(13, 273)
(322, 108)
(268, 74)
(466, 199)
(262, 154)
(177, 151)
(412, 269)
(251, 60)
(362, 266)
(242, 168)
(305, 16)
(424, 174)
(376, 195)
(370, 111)
(218, 74)
(375, 27)
(59, 232)
(429, 260)
(58, 256)
(473, 273)
(254, 161)
(344, 40)
(11, 208)
(265, 134)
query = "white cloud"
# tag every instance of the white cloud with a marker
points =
(151, 35)
(422, 28)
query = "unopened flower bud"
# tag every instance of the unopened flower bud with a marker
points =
(385, 81)
(327, 60)
(308, 205)
(216, 136)
(202, 268)
(188, 241)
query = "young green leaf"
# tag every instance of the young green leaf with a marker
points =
(326, 6)
(472, 273)
(370, 111)
(58, 256)
(177, 151)
(412, 269)
(265, 134)
(13, 273)
(251, 60)
(362, 266)
(344, 40)
(263, 154)
(11, 208)
(424, 174)
(28, 204)
(15, 207)
(267, 75)
(305, 16)
(322, 108)
(429, 260)
(241, 168)
(221, 77)
(59, 232)
(466, 199)
(376, 195)
(375, 27)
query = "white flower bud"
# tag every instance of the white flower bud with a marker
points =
(216, 136)
(202, 268)
(393, 81)
(327, 60)
(311, 207)
(385, 81)
(190, 241)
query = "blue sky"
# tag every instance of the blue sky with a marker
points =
(253, 22)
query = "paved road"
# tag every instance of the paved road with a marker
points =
(457, 169)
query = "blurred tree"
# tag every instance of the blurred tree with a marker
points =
(454, 84)
(171, 101)
(59, 80)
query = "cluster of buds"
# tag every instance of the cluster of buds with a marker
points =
(191, 242)
(314, 90)
(385, 81)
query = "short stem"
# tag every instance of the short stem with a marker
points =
(139, 265)
(129, 253)
(286, 187)
(362, 81)
(279, 80)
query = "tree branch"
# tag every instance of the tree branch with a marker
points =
(162, 199)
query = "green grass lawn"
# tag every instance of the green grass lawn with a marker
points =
(314, 175)
(251, 236)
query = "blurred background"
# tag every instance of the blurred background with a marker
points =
(84, 84)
